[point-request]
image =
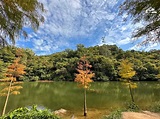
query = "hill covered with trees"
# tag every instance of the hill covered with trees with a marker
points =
(61, 66)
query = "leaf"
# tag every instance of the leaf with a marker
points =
(133, 85)
(16, 88)
(3, 94)
(4, 84)
(4, 89)
(15, 92)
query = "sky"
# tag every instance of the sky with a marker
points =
(71, 22)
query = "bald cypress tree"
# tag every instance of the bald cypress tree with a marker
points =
(148, 12)
(83, 77)
(126, 72)
(15, 14)
(11, 86)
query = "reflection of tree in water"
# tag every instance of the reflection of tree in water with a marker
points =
(56, 95)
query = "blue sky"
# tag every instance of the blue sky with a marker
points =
(71, 22)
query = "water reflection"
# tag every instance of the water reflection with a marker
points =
(56, 95)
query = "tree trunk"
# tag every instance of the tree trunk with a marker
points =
(5, 105)
(131, 92)
(85, 104)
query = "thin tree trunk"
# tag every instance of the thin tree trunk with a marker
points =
(85, 104)
(5, 105)
(131, 93)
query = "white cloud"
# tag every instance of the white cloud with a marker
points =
(67, 20)
(38, 42)
(148, 47)
(124, 41)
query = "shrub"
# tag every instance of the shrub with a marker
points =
(131, 106)
(114, 115)
(33, 113)
(34, 78)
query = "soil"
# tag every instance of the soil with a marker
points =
(98, 114)
(140, 115)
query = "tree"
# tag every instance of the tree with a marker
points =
(14, 71)
(2, 69)
(7, 55)
(148, 12)
(15, 14)
(81, 50)
(126, 72)
(84, 77)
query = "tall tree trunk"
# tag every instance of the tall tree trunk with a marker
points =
(85, 104)
(5, 105)
(130, 89)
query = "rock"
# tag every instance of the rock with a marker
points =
(60, 112)
(138, 115)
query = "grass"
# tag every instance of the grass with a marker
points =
(155, 107)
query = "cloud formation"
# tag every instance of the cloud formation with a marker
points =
(69, 22)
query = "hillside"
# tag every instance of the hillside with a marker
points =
(61, 66)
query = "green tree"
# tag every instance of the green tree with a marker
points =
(2, 69)
(146, 11)
(7, 55)
(81, 50)
(84, 77)
(15, 14)
(126, 72)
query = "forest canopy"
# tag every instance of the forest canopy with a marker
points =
(61, 66)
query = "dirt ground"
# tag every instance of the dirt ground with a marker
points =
(98, 114)
(142, 115)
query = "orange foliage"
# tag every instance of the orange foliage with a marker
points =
(15, 70)
(85, 75)
(14, 87)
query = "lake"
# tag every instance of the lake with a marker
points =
(106, 96)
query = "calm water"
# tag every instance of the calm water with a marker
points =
(67, 95)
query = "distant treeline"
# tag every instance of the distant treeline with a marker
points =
(61, 66)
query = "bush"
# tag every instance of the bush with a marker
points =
(33, 113)
(131, 106)
(114, 115)
(34, 78)
(24, 78)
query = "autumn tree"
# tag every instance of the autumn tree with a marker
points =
(148, 12)
(84, 77)
(126, 72)
(15, 15)
(14, 71)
